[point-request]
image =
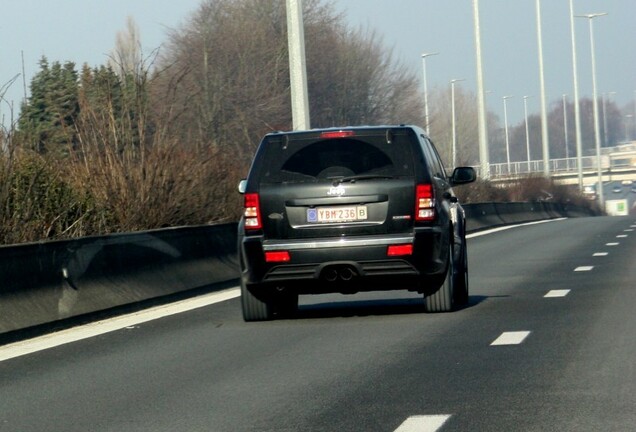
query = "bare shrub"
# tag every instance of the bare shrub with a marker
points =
(153, 182)
(481, 191)
(38, 203)
(528, 189)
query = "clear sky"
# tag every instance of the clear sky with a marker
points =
(509, 45)
(84, 31)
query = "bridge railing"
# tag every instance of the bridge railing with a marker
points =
(560, 166)
(618, 157)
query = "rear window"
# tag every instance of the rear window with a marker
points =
(308, 158)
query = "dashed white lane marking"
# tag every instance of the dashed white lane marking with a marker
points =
(557, 293)
(600, 254)
(583, 268)
(89, 330)
(621, 236)
(424, 423)
(629, 230)
(612, 244)
(511, 338)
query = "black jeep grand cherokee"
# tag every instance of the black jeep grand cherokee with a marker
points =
(346, 210)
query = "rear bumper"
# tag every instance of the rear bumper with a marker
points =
(346, 264)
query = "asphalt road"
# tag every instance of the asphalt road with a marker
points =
(513, 360)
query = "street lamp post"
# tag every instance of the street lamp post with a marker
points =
(454, 148)
(604, 99)
(484, 157)
(505, 98)
(597, 134)
(635, 104)
(604, 107)
(628, 117)
(426, 118)
(565, 131)
(297, 65)
(525, 112)
(577, 111)
(544, 112)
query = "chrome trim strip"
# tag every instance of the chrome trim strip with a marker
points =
(269, 245)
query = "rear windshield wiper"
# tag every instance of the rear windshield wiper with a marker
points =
(354, 178)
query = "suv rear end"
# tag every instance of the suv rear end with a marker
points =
(344, 210)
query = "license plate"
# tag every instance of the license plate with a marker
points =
(336, 214)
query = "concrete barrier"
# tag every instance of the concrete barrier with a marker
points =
(489, 215)
(49, 282)
(482, 216)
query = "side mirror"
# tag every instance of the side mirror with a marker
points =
(463, 175)
(242, 186)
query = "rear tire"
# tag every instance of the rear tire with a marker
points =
(255, 308)
(443, 299)
(461, 279)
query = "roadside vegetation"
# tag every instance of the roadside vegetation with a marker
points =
(527, 189)
(160, 139)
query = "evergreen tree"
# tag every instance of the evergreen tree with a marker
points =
(47, 119)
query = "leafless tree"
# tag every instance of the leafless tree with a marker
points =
(465, 124)
(126, 59)
(226, 75)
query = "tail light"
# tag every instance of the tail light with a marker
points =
(252, 212)
(424, 203)
(337, 134)
(278, 256)
(400, 250)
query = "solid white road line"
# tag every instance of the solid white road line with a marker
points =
(511, 338)
(507, 227)
(583, 268)
(424, 423)
(89, 330)
(557, 293)
(600, 254)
